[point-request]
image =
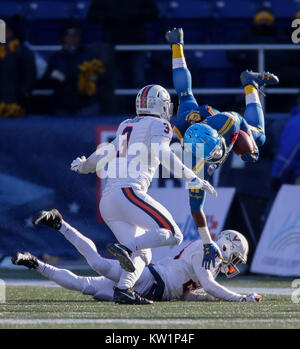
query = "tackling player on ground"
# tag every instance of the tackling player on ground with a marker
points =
(171, 278)
(207, 120)
(137, 220)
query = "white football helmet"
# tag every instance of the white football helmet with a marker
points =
(154, 100)
(234, 247)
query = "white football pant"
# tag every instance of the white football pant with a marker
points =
(140, 223)
(100, 287)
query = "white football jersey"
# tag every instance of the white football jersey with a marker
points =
(135, 165)
(180, 273)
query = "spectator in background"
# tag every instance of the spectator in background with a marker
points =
(286, 165)
(124, 23)
(263, 31)
(17, 72)
(77, 75)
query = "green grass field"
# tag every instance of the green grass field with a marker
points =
(54, 307)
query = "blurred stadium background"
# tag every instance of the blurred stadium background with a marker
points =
(69, 73)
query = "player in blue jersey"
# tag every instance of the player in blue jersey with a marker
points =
(227, 125)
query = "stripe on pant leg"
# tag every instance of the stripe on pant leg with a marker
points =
(159, 218)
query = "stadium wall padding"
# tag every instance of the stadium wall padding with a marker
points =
(36, 153)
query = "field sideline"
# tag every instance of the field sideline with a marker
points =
(40, 305)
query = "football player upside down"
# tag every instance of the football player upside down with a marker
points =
(218, 131)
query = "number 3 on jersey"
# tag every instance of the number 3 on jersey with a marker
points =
(167, 128)
(124, 140)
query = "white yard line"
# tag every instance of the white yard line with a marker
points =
(67, 321)
(30, 282)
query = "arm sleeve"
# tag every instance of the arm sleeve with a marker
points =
(105, 153)
(160, 145)
(209, 284)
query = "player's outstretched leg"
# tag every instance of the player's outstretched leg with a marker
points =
(254, 114)
(26, 259)
(122, 253)
(99, 287)
(85, 246)
(182, 78)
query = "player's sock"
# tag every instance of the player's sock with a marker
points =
(62, 277)
(151, 239)
(205, 235)
(251, 94)
(89, 251)
(178, 59)
(128, 280)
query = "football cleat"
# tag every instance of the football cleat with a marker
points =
(122, 253)
(26, 259)
(258, 80)
(129, 296)
(52, 219)
(175, 36)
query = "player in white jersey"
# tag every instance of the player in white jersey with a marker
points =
(171, 278)
(137, 220)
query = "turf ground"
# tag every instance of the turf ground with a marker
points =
(42, 305)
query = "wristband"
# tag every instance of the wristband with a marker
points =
(205, 235)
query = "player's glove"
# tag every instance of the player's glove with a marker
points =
(251, 156)
(211, 252)
(253, 297)
(77, 164)
(198, 183)
(175, 36)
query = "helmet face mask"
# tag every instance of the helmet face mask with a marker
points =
(168, 110)
(218, 153)
(234, 248)
(231, 269)
(154, 100)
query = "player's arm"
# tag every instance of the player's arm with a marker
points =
(160, 145)
(178, 134)
(193, 296)
(249, 156)
(105, 153)
(210, 248)
(213, 288)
